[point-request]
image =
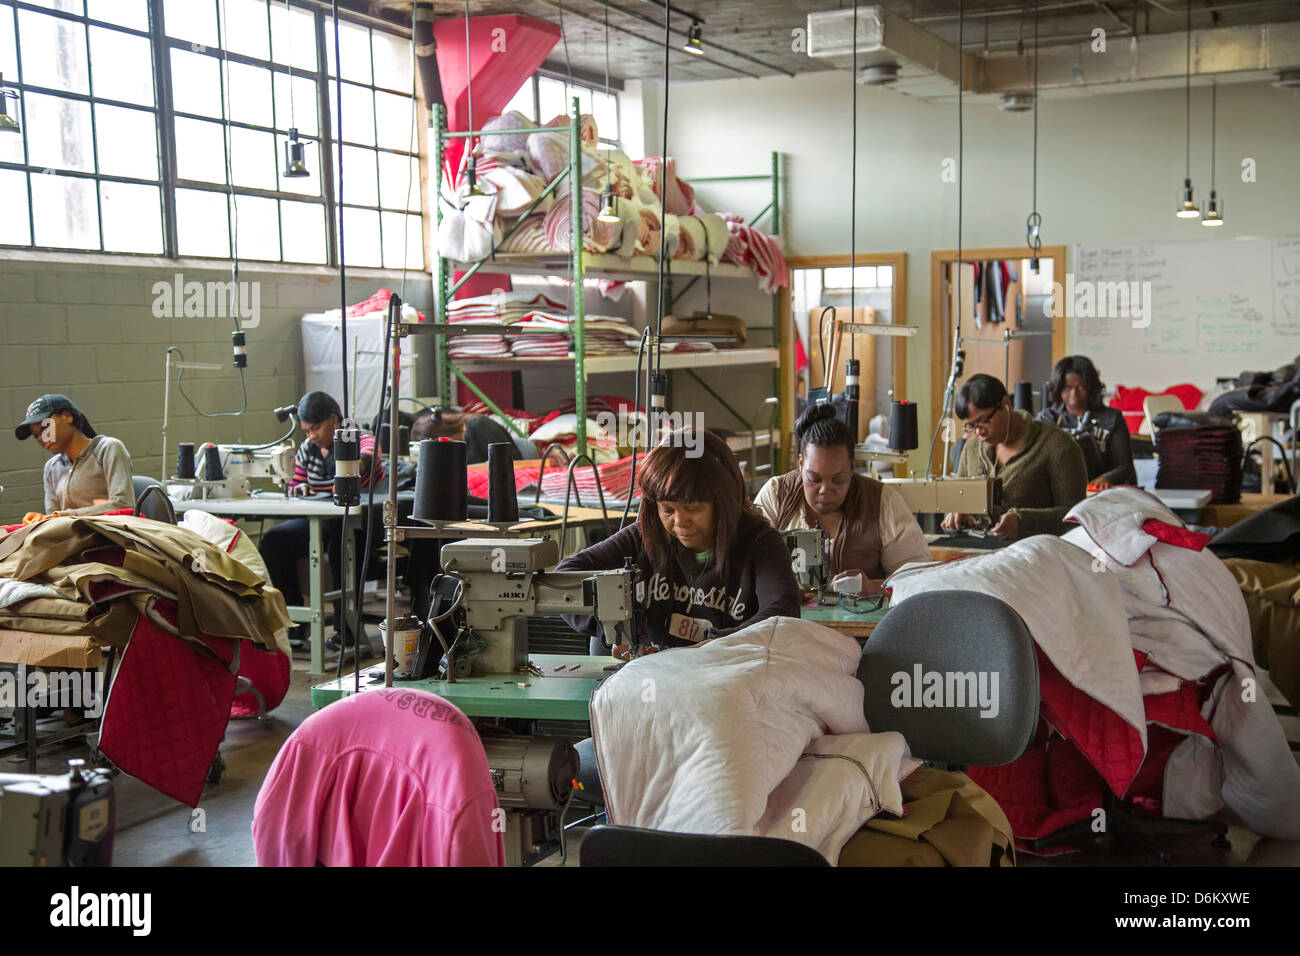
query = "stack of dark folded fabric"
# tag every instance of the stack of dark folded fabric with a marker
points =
(1200, 451)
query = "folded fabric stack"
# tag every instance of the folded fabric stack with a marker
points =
(605, 335)
(1203, 457)
(498, 308)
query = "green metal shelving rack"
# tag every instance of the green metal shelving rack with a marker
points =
(445, 288)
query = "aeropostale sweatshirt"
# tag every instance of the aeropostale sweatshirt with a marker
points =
(689, 602)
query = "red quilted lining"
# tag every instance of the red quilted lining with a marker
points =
(1179, 537)
(167, 710)
(269, 672)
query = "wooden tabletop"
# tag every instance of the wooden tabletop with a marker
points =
(1224, 515)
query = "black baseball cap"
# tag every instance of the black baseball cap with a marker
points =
(43, 408)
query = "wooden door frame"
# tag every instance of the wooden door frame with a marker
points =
(898, 316)
(938, 343)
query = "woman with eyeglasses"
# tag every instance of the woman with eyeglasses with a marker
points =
(1074, 403)
(1042, 468)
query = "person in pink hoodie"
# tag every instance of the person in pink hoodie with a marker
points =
(384, 778)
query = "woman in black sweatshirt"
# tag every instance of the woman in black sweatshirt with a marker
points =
(710, 564)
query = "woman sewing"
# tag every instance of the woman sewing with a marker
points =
(872, 533)
(1042, 468)
(476, 430)
(87, 473)
(710, 563)
(1074, 403)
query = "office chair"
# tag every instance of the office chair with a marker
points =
(632, 846)
(151, 499)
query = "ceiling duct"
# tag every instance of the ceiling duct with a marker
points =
(920, 63)
(1017, 102)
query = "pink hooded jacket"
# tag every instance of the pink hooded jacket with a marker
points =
(383, 778)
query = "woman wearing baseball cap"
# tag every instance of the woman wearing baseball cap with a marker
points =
(88, 473)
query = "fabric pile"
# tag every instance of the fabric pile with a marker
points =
(515, 169)
(759, 732)
(1203, 456)
(179, 607)
(1144, 658)
(533, 315)
(498, 308)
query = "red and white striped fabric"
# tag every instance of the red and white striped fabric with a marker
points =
(681, 197)
(615, 477)
(597, 236)
(530, 237)
(758, 251)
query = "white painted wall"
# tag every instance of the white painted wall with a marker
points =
(1109, 168)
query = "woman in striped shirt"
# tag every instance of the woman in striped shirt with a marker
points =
(313, 473)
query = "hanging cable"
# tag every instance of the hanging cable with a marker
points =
(663, 197)
(853, 195)
(1033, 225)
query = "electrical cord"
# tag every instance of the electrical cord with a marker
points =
(1265, 461)
(243, 388)
(657, 359)
(636, 404)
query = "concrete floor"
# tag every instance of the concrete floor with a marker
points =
(154, 830)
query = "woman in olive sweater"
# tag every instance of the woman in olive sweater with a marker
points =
(1042, 469)
(709, 561)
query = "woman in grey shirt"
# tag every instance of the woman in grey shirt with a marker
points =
(88, 473)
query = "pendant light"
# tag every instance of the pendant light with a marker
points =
(8, 124)
(1187, 208)
(694, 40)
(295, 164)
(1214, 205)
(852, 367)
(1033, 224)
(471, 171)
(609, 208)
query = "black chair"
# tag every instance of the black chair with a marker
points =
(631, 846)
(151, 499)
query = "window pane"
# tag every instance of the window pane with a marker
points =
(11, 147)
(523, 101)
(864, 277)
(304, 231)
(132, 217)
(15, 230)
(123, 66)
(196, 83)
(257, 228)
(58, 133)
(250, 94)
(360, 185)
(550, 98)
(246, 26)
(59, 48)
(202, 227)
(394, 119)
(605, 109)
(309, 185)
(393, 67)
(361, 237)
(252, 158)
(8, 49)
(301, 110)
(354, 45)
(358, 114)
(403, 233)
(65, 212)
(68, 6)
(127, 142)
(296, 45)
(128, 13)
(396, 175)
(193, 20)
(884, 276)
(200, 151)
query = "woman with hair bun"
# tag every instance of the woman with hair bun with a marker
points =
(872, 533)
(710, 563)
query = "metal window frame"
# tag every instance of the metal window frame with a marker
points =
(165, 116)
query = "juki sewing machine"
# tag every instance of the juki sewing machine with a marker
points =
(807, 547)
(241, 465)
(968, 496)
(502, 581)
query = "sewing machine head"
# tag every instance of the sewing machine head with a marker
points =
(244, 464)
(807, 547)
(57, 819)
(968, 496)
(505, 580)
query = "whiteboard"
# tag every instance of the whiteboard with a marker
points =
(1217, 308)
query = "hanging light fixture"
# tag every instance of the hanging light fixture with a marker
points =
(694, 40)
(295, 163)
(295, 166)
(1187, 208)
(609, 208)
(470, 163)
(1034, 224)
(8, 124)
(1213, 215)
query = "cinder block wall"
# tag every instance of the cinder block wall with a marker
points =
(85, 327)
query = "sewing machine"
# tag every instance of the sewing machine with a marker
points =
(242, 464)
(807, 547)
(57, 819)
(967, 496)
(504, 580)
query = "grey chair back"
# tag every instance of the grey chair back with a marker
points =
(956, 673)
(631, 846)
(152, 504)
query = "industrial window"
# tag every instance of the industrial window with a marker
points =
(543, 97)
(169, 137)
